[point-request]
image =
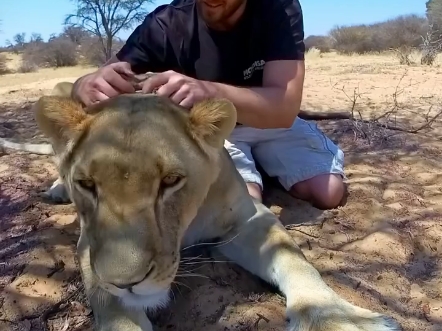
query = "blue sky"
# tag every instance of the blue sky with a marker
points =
(46, 16)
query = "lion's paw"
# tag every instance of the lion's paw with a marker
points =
(338, 319)
(57, 193)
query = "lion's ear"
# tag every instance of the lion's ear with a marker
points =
(61, 119)
(212, 120)
(63, 89)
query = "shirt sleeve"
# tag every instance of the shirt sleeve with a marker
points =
(285, 31)
(145, 49)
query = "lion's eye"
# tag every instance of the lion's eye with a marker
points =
(87, 184)
(171, 180)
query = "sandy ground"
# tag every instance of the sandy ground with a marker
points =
(381, 251)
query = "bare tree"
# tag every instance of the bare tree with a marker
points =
(76, 34)
(434, 13)
(20, 41)
(105, 18)
(431, 45)
(36, 38)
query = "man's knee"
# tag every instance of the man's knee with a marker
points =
(326, 191)
(255, 190)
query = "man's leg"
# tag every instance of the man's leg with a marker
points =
(307, 163)
(240, 152)
(323, 191)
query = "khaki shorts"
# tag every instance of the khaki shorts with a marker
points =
(292, 155)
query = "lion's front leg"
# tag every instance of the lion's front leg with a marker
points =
(109, 313)
(263, 246)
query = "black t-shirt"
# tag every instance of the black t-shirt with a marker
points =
(174, 37)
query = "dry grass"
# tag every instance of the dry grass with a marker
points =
(381, 251)
(28, 86)
(14, 60)
(330, 78)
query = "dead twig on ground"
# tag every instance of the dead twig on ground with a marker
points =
(295, 228)
(353, 99)
(388, 120)
(53, 309)
(259, 319)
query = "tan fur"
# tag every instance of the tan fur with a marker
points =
(73, 117)
(57, 192)
(147, 178)
(63, 89)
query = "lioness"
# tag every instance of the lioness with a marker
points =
(148, 177)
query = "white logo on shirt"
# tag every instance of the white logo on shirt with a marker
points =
(257, 65)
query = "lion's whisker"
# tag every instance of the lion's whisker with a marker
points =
(192, 275)
(173, 293)
(195, 258)
(216, 244)
(225, 242)
(205, 262)
(182, 284)
(182, 269)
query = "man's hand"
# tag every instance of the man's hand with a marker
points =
(181, 89)
(108, 81)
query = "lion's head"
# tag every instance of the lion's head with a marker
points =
(137, 167)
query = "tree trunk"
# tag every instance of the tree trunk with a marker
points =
(109, 47)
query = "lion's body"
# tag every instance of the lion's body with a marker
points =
(148, 178)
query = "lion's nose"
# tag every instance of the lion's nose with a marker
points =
(129, 286)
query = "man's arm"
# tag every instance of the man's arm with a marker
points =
(274, 105)
(277, 103)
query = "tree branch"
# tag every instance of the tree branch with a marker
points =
(107, 18)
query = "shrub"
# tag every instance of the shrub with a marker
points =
(27, 66)
(431, 46)
(313, 53)
(4, 65)
(401, 31)
(322, 43)
(392, 34)
(403, 53)
(352, 39)
(58, 52)
(92, 50)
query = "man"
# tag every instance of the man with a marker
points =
(251, 52)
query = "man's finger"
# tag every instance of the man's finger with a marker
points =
(98, 97)
(107, 89)
(119, 82)
(178, 96)
(92, 107)
(169, 88)
(86, 101)
(91, 99)
(155, 82)
(123, 68)
(187, 102)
